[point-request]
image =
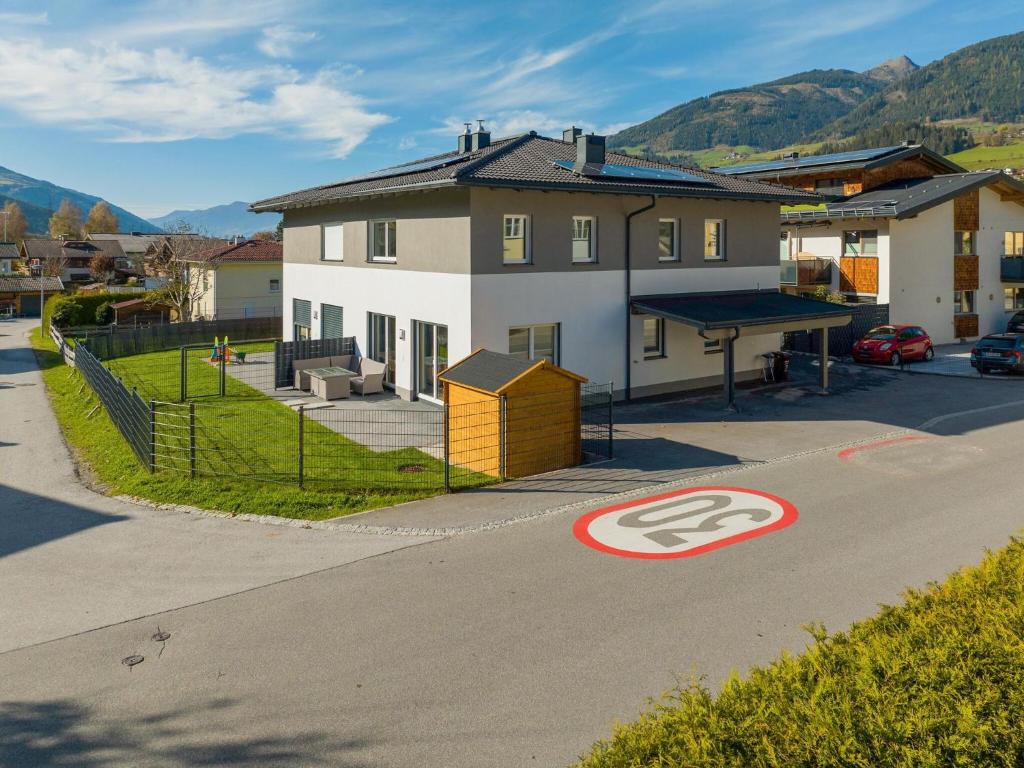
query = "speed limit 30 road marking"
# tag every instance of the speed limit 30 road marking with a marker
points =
(683, 523)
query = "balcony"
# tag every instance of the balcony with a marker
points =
(805, 271)
(1011, 269)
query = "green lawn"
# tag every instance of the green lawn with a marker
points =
(976, 158)
(267, 428)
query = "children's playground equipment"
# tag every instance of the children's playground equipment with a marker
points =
(223, 352)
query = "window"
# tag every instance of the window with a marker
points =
(383, 240)
(668, 240)
(1013, 299)
(584, 245)
(860, 242)
(534, 342)
(713, 347)
(275, 286)
(654, 338)
(963, 243)
(332, 321)
(963, 302)
(714, 239)
(206, 281)
(829, 186)
(301, 319)
(515, 246)
(1013, 244)
(333, 243)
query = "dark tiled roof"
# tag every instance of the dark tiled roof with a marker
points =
(53, 249)
(528, 162)
(129, 243)
(866, 159)
(29, 284)
(247, 251)
(486, 370)
(736, 308)
(8, 251)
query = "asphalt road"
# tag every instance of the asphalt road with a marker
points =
(515, 646)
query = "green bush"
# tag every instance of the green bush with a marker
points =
(78, 309)
(105, 313)
(937, 681)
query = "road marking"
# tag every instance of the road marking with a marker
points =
(685, 523)
(846, 453)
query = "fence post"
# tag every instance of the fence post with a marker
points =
(152, 435)
(611, 441)
(501, 438)
(302, 411)
(223, 354)
(447, 451)
(192, 439)
(183, 376)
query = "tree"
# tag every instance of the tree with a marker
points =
(280, 230)
(182, 259)
(15, 224)
(66, 221)
(101, 219)
(264, 234)
(101, 267)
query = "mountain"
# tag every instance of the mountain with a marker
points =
(894, 69)
(38, 199)
(983, 81)
(766, 115)
(221, 220)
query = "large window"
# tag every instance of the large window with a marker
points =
(1013, 244)
(431, 358)
(383, 240)
(584, 242)
(333, 243)
(382, 343)
(534, 342)
(654, 338)
(964, 243)
(668, 240)
(515, 239)
(714, 239)
(1013, 299)
(860, 242)
(963, 302)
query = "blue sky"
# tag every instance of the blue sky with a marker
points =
(170, 104)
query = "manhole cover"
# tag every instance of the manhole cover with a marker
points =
(162, 637)
(412, 468)
(131, 661)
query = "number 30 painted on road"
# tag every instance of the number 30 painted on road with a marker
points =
(683, 523)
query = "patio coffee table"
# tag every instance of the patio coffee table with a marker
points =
(330, 383)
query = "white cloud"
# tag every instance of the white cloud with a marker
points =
(166, 95)
(279, 41)
(15, 19)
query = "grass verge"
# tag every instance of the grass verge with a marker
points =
(936, 681)
(109, 463)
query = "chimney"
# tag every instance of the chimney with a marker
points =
(465, 140)
(589, 150)
(481, 138)
(570, 134)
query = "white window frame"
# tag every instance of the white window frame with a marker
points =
(271, 288)
(372, 241)
(325, 251)
(592, 241)
(527, 250)
(659, 351)
(674, 256)
(719, 241)
(531, 347)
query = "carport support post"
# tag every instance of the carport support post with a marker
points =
(729, 382)
(823, 360)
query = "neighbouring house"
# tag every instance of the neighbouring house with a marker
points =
(942, 247)
(142, 312)
(8, 258)
(71, 256)
(134, 245)
(238, 280)
(545, 249)
(20, 295)
(159, 252)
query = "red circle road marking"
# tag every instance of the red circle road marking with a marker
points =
(846, 453)
(783, 514)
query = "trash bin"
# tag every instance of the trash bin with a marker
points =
(780, 365)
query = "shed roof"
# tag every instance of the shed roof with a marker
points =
(494, 372)
(732, 309)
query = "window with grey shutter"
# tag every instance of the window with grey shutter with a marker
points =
(301, 312)
(331, 322)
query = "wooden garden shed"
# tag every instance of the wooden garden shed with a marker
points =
(507, 417)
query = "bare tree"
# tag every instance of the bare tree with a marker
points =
(182, 260)
(102, 267)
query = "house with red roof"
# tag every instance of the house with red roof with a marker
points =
(237, 280)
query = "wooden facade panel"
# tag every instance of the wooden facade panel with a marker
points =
(965, 326)
(858, 274)
(966, 216)
(965, 273)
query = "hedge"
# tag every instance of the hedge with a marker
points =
(69, 310)
(937, 681)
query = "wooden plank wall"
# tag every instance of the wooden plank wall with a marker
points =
(858, 274)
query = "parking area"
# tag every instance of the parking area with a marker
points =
(953, 360)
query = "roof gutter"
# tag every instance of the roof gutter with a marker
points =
(629, 288)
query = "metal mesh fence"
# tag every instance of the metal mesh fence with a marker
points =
(112, 341)
(130, 414)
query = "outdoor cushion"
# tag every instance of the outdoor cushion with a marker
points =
(370, 378)
(343, 361)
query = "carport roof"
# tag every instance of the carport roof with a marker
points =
(734, 309)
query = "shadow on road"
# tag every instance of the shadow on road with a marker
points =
(28, 520)
(63, 733)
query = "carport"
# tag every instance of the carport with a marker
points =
(727, 315)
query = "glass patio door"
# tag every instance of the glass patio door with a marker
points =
(431, 359)
(382, 344)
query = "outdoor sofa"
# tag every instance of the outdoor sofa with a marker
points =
(335, 361)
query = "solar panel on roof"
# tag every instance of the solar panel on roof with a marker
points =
(852, 156)
(401, 170)
(612, 170)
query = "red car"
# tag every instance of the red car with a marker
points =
(892, 343)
